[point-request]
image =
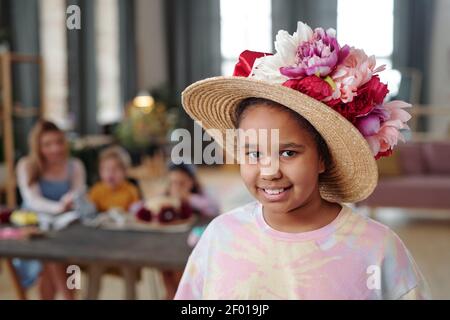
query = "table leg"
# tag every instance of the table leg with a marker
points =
(130, 277)
(95, 273)
(154, 281)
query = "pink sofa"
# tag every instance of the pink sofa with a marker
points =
(422, 179)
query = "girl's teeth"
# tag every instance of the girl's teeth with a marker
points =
(273, 191)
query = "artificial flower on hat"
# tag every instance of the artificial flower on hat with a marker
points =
(342, 77)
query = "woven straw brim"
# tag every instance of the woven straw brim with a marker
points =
(353, 174)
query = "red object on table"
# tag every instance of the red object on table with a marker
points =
(185, 210)
(5, 215)
(167, 214)
(144, 214)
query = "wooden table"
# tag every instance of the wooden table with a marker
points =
(128, 250)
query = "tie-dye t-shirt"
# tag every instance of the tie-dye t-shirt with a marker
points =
(240, 256)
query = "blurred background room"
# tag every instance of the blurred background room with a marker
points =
(111, 72)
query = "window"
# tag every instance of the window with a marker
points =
(245, 25)
(369, 25)
(108, 65)
(54, 51)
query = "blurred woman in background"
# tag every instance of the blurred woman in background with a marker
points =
(48, 179)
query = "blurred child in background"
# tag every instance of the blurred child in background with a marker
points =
(113, 190)
(184, 184)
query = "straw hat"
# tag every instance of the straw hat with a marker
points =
(353, 174)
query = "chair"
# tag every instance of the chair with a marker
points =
(8, 110)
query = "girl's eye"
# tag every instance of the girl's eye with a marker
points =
(288, 153)
(253, 154)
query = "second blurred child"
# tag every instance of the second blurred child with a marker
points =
(113, 190)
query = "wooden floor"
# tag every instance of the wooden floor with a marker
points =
(426, 233)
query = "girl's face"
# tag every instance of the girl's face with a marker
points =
(111, 172)
(180, 183)
(295, 168)
(53, 147)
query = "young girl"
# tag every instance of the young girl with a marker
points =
(184, 184)
(299, 240)
(48, 179)
(114, 191)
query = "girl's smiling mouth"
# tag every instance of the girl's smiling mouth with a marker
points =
(273, 194)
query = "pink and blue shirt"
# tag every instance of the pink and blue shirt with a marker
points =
(240, 256)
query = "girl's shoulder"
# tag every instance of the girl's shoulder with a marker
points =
(360, 221)
(228, 226)
(374, 233)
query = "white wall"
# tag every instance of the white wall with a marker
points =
(52, 24)
(108, 64)
(150, 44)
(440, 65)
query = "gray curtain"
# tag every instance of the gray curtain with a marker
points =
(82, 63)
(193, 47)
(193, 31)
(82, 70)
(413, 24)
(127, 50)
(24, 19)
(315, 13)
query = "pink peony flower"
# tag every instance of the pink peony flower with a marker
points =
(317, 56)
(370, 124)
(354, 71)
(368, 96)
(382, 126)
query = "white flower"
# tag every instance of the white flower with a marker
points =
(268, 68)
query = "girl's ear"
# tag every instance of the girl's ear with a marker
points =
(321, 166)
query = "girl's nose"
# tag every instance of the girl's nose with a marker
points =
(270, 168)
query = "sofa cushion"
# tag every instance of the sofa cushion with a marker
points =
(437, 157)
(425, 191)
